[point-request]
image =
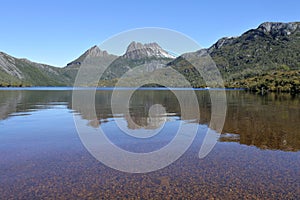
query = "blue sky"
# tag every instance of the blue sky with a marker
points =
(56, 32)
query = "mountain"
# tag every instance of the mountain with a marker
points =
(272, 46)
(150, 55)
(137, 50)
(147, 56)
(22, 72)
(94, 52)
(266, 57)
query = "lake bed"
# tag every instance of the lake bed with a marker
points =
(42, 156)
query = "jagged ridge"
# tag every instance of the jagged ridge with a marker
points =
(137, 50)
(271, 47)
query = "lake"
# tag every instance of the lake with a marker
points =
(256, 157)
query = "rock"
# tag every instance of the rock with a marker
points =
(137, 50)
(279, 29)
(95, 51)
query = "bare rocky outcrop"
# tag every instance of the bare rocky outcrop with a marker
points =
(93, 52)
(8, 65)
(279, 29)
(270, 46)
(137, 50)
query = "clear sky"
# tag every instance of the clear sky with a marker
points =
(58, 31)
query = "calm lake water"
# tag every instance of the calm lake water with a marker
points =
(256, 157)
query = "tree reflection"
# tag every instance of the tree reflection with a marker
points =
(267, 122)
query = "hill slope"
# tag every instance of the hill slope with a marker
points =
(70, 71)
(151, 56)
(22, 72)
(272, 46)
(246, 61)
(265, 58)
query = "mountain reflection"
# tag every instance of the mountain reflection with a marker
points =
(267, 122)
(21, 101)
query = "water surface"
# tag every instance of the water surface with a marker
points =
(42, 156)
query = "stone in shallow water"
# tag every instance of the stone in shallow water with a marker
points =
(229, 137)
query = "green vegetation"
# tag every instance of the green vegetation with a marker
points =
(258, 59)
(8, 81)
(32, 74)
(276, 81)
(121, 65)
(262, 59)
(190, 73)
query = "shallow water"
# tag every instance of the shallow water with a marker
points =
(257, 155)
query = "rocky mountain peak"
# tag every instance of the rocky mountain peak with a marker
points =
(95, 51)
(137, 50)
(273, 29)
(134, 46)
(279, 28)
